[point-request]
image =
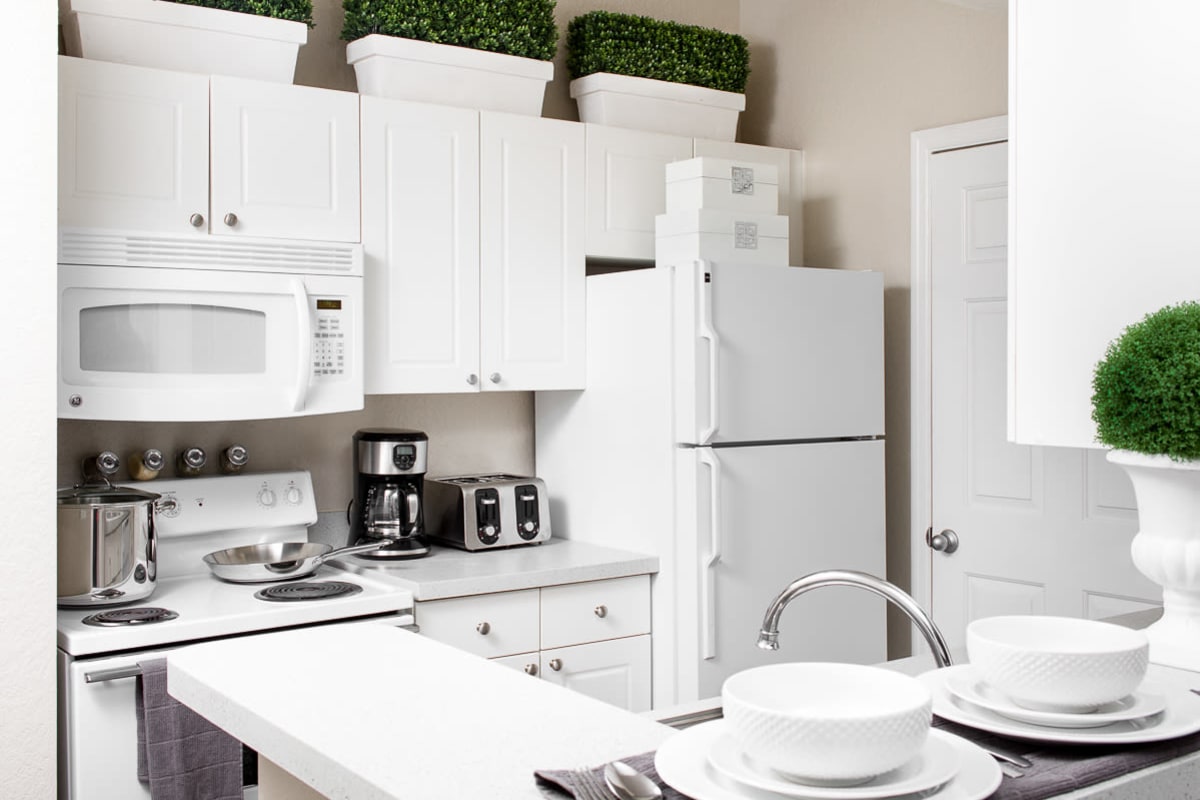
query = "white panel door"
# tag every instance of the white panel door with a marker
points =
(616, 671)
(132, 148)
(284, 161)
(780, 512)
(626, 188)
(532, 302)
(1041, 530)
(793, 354)
(420, 168)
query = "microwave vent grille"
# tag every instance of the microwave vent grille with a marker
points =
(119, 249)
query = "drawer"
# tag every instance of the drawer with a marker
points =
(489, 625)
(591, 612)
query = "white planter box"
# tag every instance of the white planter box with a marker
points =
(722, 183)
(166, 35)
(728, 237)
(662, 106)
(425, 72)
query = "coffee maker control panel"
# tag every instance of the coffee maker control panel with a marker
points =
(404, 456)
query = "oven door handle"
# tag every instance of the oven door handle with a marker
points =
(116, 674)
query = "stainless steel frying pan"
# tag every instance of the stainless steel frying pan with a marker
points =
(281, 561)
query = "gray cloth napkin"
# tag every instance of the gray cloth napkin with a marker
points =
(181, 755)
(565, 780)
(1061, 768)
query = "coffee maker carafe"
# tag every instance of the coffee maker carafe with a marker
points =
(389, 476)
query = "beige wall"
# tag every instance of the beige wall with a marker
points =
(848, 81)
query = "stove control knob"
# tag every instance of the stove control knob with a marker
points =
(292, 496)
(266, 497)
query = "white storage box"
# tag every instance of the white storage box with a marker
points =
(722, 183)
(726, 236)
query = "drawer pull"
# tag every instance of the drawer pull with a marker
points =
(556, 664)
(483, 628)
(601, 611)
(531, 669)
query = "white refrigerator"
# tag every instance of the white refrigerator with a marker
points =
(732, 426)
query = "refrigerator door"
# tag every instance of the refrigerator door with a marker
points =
(777, 353)
(766, 515)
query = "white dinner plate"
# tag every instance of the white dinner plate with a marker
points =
(682, 762)
(964, 683)
(933, 766)
(1179, 718)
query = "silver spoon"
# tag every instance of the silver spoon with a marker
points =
(629, 784)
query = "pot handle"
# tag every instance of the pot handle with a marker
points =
(355, 548)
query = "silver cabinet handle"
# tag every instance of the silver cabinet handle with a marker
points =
(531, 669)
(119, 673)
(944, 542)
(600, 611)
(197, 220)
(483, 628)
(472, 379)
(231, 219)
(494, 377)
(556, 664)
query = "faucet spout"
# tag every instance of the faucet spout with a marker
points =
(768, 637)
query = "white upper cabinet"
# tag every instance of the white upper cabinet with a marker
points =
(473, 246)
(1101, 232)
(170, 152)
(626, 186)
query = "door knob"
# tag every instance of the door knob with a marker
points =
(231, 219)
(196, 220)
(531, 669)
(483, 628)
(556, 664)
(494, 377)
(944, 542)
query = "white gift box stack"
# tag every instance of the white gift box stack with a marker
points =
(721, 210)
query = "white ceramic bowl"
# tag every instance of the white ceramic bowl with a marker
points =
(1057, 663)
(827, 724)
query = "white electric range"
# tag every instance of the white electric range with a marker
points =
(98, 664)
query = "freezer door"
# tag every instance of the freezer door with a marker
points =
(766, 515)
(777, 353)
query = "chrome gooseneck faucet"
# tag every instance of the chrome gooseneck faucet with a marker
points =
(768, 637)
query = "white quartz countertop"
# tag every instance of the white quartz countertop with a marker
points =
(449, 572)
(366, 711)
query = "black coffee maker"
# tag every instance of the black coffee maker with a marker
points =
(389, 478)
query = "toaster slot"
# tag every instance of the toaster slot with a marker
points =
(529, 523)
(487, 515)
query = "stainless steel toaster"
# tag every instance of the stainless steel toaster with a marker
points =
(480, 512)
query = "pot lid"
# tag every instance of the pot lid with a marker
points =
(89, 493)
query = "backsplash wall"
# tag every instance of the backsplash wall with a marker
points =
(485, 432)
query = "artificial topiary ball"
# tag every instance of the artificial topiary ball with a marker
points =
(1146, 390)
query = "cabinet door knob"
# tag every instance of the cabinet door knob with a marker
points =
(197, 220)
(472, 379)
(531, 669)
(556, 664)
(231, 219)
(601, 611)
(483, 628)
(494, 377)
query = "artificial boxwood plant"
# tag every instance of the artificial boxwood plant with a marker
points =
(1146, 390)
(517, 27)
(627, 44)
(295, 10)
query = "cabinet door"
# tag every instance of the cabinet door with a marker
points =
(284, 161)
(575, 613)
(132, 148)
(531, 253)
(790, 164)
(626, 188)
(488, 625)
(616, 671)
(420, 168)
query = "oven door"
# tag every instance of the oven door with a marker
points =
(150, 344)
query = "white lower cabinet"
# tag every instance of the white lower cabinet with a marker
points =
(592, 637)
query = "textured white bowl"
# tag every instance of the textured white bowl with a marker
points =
(827, 724)
(1057, 663)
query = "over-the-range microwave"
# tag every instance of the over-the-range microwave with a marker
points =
(163, 328)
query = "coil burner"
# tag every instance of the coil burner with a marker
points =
(140, 615)
(314, 590)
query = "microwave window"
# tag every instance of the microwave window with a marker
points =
(173, 338)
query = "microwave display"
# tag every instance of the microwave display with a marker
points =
(329, 305)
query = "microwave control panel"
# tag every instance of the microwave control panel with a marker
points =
(329, 340)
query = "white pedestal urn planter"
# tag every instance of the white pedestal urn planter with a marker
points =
(646, 104)
(1166, 549)
(166, 35)
(426, 72)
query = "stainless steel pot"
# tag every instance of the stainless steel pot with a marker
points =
(279, 561)
(107, 544)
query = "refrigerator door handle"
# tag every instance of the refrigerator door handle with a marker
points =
(707, 332)
(708, 604)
